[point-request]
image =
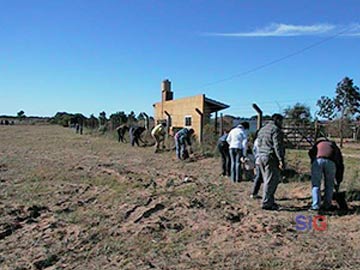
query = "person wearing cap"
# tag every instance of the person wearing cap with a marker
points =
(158, 133)
(183, 137)
(271, 159)
(237, 140)
(326, 160)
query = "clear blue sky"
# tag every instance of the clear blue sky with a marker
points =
(87, 56)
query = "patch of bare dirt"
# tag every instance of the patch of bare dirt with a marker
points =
(83, 202)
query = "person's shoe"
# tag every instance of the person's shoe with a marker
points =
(254, 196)
(273, 207)
(329, 208)
(314, 209)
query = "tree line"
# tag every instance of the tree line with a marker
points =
(102, 121)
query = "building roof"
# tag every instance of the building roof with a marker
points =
(214, 105)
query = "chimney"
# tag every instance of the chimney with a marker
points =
(166, 93)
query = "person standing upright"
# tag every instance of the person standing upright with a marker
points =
(271, 152)
(223, 148)
(327, 160)
(237, 140)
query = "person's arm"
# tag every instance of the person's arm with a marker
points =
(278, 141)
(312, 153)
(228, 139)
(188, 140)
(138, 135)
(141, 140)
(244, 145)
(339, 166)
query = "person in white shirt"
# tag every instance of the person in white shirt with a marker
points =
(237, 140)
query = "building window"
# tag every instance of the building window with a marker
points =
(188, 121)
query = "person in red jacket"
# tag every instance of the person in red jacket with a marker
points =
(327, 161)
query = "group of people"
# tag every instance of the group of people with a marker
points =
(182, 138)
(6, 122)
(135, 133)
(269, 152)
(269, 158)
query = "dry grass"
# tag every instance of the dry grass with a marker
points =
(87, 202)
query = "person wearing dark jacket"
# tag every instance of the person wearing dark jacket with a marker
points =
(121, 130)
(135, 135)
(326, 160)
(223, 148)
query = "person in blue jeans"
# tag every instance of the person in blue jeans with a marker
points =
(183, 137)
(237, 140)
(327, 161)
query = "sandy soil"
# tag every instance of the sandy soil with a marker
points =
(87, 202)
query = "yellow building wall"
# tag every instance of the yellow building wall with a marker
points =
(178, 109)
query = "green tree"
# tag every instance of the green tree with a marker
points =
(62, 118)
(92, 122)
(79, 118)
(21, 115)
(132, 118)
(345, 104)
(326, 108)
(299, 114)
(118, 119)
(102, 118)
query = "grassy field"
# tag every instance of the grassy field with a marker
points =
(87, 202)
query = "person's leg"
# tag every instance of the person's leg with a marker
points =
(271, 174)
(132, 138)
(329, 175)
(257, 181)
(119, 135)
(162, 141)
(228, 161)
(316, 174)
(135, 140)
(238, 165)
(156, 142)
(157, 138)
(223, 158)
(183, 150)
(232, 152)
(123, 136)
(177, 147)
